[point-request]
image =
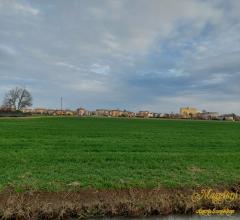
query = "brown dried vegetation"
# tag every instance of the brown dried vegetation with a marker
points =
(87, 203)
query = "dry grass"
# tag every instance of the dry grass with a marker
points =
(95, 203)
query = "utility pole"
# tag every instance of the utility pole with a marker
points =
(61, 105)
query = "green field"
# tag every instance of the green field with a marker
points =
(60, 153)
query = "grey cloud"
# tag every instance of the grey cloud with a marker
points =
(121, 53)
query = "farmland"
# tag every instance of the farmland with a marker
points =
(59, 153)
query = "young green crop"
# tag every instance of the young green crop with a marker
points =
(62, 153)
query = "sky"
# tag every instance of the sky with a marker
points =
(156, 55)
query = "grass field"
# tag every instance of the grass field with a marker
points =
(60, 153)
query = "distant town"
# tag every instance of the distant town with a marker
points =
(18, 103)
(184, 113)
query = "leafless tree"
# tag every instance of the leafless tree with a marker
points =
(17, 98)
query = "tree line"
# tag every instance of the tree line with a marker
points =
(17, 99)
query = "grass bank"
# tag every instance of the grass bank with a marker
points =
(87, 203)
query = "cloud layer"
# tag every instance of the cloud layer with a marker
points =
(157, 54)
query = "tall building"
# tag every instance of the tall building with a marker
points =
(188, 112)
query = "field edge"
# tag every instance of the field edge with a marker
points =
(86, 203)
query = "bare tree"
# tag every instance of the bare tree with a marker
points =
(17, 98)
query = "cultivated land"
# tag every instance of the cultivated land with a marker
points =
(54, 154)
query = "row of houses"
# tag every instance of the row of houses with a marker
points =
(81, 112)
(53, 112)
(188, 113)
(105, 113)
(184, 113)
(193, 113)
(121, 113)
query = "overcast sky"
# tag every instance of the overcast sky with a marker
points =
(157, 55)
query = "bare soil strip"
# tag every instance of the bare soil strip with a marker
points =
(86, 203)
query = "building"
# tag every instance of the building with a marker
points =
(27, 110)
(156, 115)
(103, 112)
(89, 113)
(161, 115)
(150, 115)
(40, 111)
(81, 112)
(128, 114)
(116, 113)
(68, 112)
(58, 112)
(188, 112)
(209, 115)
(131, 114)
(228, 117)
(50, 111)
(122, 113)
(237, 118)
(143, 114)
(63, 112)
